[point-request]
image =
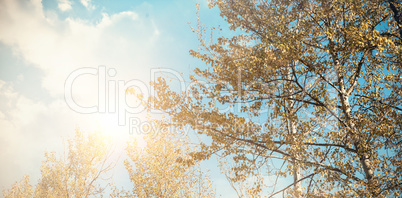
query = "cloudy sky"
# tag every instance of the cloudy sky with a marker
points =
(55, 53)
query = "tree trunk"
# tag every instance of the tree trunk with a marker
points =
(290, 109)
(353, 132)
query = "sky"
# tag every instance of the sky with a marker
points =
(64, 64)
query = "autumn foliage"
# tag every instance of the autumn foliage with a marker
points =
(313, 87)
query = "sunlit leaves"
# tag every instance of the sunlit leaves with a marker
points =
(160, 166)
(313, 84)
(76, 173)
(20, 189)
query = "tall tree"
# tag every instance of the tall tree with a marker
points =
(82, 171)
(159, 166)
(314, 85)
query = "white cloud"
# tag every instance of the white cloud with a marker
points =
(87, 4)
(64, 5)
(20, 145)
(121, 40)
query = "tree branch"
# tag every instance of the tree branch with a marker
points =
(294, 183)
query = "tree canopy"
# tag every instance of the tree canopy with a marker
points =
(79, 172)
(312, 85)
(160, 166)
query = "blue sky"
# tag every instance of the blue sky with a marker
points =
(42, 43)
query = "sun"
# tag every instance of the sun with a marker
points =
(109, 124)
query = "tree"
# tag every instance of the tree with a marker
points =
(20, 189)
(159, 166)
(77, 174)
(312, 85)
